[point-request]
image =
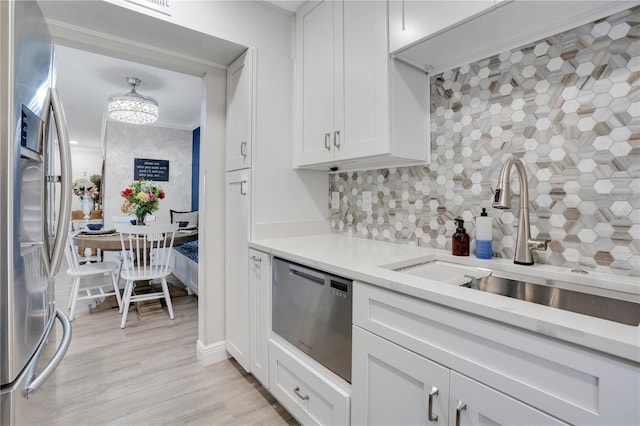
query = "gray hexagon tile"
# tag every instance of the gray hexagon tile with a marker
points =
(569, 107)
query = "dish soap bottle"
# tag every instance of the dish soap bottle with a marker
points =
(460, 241)
(484, 228)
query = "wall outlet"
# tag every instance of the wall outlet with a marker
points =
(366, 201)
(335, 200)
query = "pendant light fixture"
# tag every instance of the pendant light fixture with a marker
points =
(133, 107)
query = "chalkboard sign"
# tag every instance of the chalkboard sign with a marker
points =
(145, 168)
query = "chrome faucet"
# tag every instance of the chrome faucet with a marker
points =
(502, 200)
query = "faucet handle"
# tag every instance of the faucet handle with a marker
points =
(541, 245)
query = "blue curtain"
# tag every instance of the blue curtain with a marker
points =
(195, 169)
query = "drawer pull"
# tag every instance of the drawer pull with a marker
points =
(461, 406)
(327, 141)
(434, 392)
(302, 397)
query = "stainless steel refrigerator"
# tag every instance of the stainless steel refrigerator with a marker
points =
(35, 196)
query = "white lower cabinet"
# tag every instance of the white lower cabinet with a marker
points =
(237, 224)
(472, 403)
(308, 395)
(414, 360)
(259, 314)
(394, 386)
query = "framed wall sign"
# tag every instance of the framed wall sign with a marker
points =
(146, 168)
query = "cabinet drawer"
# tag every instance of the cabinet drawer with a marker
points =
(309, 397)
(573, 384)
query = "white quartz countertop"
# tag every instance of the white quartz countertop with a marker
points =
(372, 262)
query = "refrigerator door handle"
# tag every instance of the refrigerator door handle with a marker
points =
(38, 380)
(64, 214)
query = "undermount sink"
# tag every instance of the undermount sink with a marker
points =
(621, 311)
(555, 294)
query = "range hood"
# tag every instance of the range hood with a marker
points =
(508, 25)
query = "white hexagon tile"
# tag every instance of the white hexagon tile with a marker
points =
(569, 107)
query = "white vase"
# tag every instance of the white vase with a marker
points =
(87, 206)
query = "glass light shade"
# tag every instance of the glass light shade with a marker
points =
(133, 108)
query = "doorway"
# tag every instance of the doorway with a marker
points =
(213, 104)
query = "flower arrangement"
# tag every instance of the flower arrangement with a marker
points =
(141, 198)
(85, 189)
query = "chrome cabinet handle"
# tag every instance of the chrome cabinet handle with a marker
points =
(256, 259)
(434, 392)
(302, 397)
(336, 139)
(243, 149)
(243, 187)
(327, 141)
(461, 406)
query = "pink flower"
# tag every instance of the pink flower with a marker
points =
(151, 196)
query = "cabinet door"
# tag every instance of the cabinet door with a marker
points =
(240, 78)
(316, 52)
(362, 110)
(473, 403)
(410, 21)
(236, 268)
(393, 386)
(260, 314)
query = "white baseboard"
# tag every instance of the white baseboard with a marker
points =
(210, 354)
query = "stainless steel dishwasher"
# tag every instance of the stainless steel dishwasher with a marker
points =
(312, 311)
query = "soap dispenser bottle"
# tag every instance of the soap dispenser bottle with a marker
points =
(484, 228)
(460, 241)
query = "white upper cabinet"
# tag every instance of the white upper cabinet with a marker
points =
(413, 20)
(316, 61)
(347, 90)
(438, 35)
(240, 79)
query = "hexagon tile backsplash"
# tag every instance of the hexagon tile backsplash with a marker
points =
(569, 107)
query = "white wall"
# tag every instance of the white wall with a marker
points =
(211, 248)
(84, 160)
(124, 142)
(281, 194)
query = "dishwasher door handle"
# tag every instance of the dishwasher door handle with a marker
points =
(308, 274)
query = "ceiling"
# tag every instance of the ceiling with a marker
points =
(85, 81)
(288, 5)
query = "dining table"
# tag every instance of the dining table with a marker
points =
(110, 241)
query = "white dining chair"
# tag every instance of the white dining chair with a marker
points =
(86, 255)
(93, 288)
(146, 251)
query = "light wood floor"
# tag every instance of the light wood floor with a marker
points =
(146, 374)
